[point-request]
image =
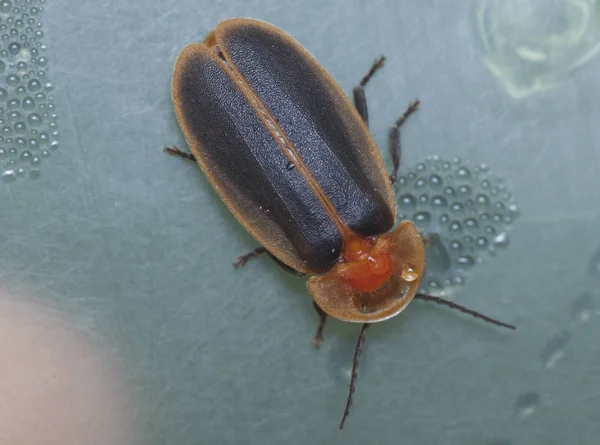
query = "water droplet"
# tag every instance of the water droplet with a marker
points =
(555, 349)
(438, 202)
(466, 261)
(5, 6)
(457, 207)
(456, 245)
(26, 157)
(490, 230)
(444, 218)
(482, 201)
(482, 242)
(471, 224)
(12, 80)
(485, 184)
(421, 167)
(423, 199)
(449, 191)
(464, 190)
(422, 219)
(409, 273)
(420, 183)
(527, 404)
(455, 226)
(435, 181)
(14, 48)
(501, 240)
(463, 173)
(28, 103)
(407, 202)
(9, 175)
(434, 284)
(20, 127)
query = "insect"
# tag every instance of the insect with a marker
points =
(293, 160)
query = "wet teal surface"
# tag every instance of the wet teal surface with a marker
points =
(138, 248)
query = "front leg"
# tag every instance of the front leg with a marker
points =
(394, 140)
(360, 98)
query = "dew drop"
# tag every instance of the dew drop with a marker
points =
(409, 273)
(455, 226)
(435, 181)
(490, 230)
(439, 202)
(14, 48)
(449, 191)
(444, 218)
(434, 285)
(463, 173)
(290, 165)
(482, 201)
(464, 190)
(26, 156)
(420, 183)
(5, 6)
(28, 103)
(407, 202)
(456, 245)
(34, 85)
(423, 199)
(466, 261)
(422, 219)
(9, 175)
(501, 240)
(12, 80)
(457, 207)
(482, 242)
(471, 224)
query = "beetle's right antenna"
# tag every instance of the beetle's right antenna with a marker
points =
(352, 388)
(463, 309)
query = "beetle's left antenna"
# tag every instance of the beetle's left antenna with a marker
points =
(352, 388)
(464, 310)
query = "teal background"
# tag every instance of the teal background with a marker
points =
(138, 247)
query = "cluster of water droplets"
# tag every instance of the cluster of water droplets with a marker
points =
(28, 120)
(463, 211)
